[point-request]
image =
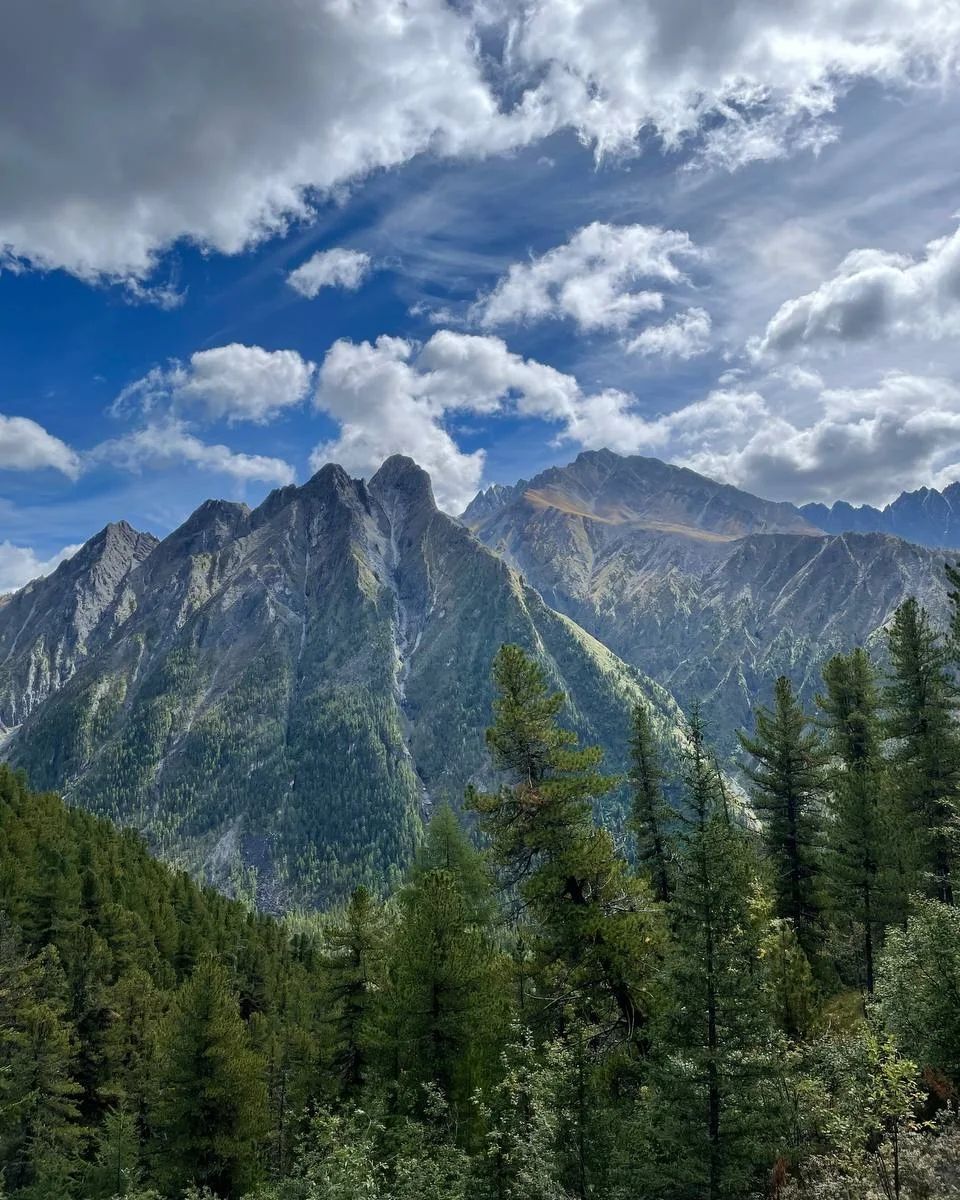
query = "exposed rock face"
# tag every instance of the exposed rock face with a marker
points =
(51, 626)
(926, 516)
(710, 591)
(292, 687)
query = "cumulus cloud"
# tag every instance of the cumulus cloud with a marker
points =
(233, 383)
(229, 120)
(20, 564)
(27, 446)
(169, 443)
(330, 268)
(874, 294)
(870, 442)
(394, 396)
(684, 336)
(591, 279)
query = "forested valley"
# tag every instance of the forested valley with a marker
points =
(748, 994)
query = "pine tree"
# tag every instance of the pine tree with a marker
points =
(590, 918)
(650, 815)
(787, 777)
(210, 1110)
(861, 854)
(921, 701)
(714, 1110)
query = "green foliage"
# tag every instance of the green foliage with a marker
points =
(787, 778)
(921, 700)
(715, 1111)
(590, 1030)
(650, 815)
(589, 917)
(211, 1100)
(918, 987)
(866, 851)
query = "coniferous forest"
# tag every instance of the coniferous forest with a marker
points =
(752, 992)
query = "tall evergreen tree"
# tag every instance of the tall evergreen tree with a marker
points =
(650, 815)
(589, 917)
(354, 972)
(787, 777)
(41, 1134)
(210, 1112)
(443, 991)
(921, 701)
(861, 855)
(714, 1116)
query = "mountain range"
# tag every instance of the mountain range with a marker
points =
(290, 689)
(926, 516)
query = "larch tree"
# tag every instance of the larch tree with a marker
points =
(589, 917)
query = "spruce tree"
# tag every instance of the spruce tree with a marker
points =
(921, 701)
(861, 851)
(650, 815)
(590, 920)
(787, 777)
(210, 1111)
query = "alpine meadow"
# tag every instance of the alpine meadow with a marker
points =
(503, 742)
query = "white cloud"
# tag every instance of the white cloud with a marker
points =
(592, 279)
(792, 440)
(393, 396)
(128, 126)
(235, 382)
(763, 76)
(684, 336)
(169, 443)
(330, 268)
(26, 446)
(865, 443)
(20, 564)
(873, 295)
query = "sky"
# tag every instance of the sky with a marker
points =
(240, 240)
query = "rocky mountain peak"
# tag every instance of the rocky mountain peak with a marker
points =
(404, 491)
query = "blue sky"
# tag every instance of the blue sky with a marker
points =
(237, 242)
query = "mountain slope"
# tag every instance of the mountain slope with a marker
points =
(926, 516)
(50, 626)
(292, 687)
(710, 591)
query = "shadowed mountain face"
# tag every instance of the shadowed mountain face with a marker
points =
(289, 688)
(926, 516)
(709, 590)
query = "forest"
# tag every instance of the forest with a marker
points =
(751, 994)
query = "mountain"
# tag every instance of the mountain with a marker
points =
(50, 626)
(926, 516)
(291, 688)
(709, 590)
(642, 494)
